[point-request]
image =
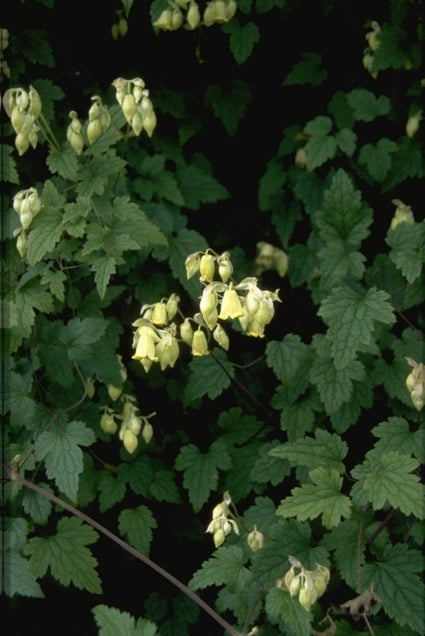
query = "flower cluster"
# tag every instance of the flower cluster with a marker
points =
(99, 119)
(132, 424)
(157, 336)
(221, 525)
(415, 383)
(27, 204)
(134, 100)
(24, 108)
(187, 14)
(308, 585)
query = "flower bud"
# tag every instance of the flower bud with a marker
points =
(149, 122)
(130, 441)
(134, 423)
(35, 103)
(209, 14)
(225, 267)
(129, 107)
(167, 351)
(159, 314)
(172, 306)
(219, 537)
(412, 124)
(147, 432)
(108, 424)
(280, 262)
(115, 31)
(17, 119)
(89, 388)
(165, 20)
(206, 268)
(186, 332)
(231, 9)
(122, 26)
(114, 392)
(403, 214)
(137, 123)
(138, 86)
(193, 15)
(192, 264)
(94, 130)
(21, 244)
(221, 337)
(208, 306)
(22, 143)
(22, 99)
(176, 19)
(255, 540)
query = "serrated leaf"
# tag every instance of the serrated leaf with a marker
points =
(395, 581)
(366, 105)
(286, 611)
(64, 163)
(325, 449)
(322, 497)
(138, 475)
(62, 455)
(96, 172)
(351, 316)
(55, 280)
(307, 71)
(321, 146)
(348, 555)
(226, 566)
(136, 524)
(17, 577)
(36, 47)
(22, 406)
(342, 215)
(377, 158)
(269, 467)
(395, 434)
(44, 233)
(388, 478)
(111, 491)
(103, 268)
(201, 470)
(79, 333)
(243, 38)
(407, 163)
(66, 555)
(112, 622)
(198, 187)
(338, 263)
(163, 486)
(208, 377)
(407, 243)
(229, 105)
(391, 52)
(346, 140)
(9, 173)
(296, 418)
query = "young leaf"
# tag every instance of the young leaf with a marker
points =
(325, 449)
(62, 454)
(67, 556)
(389, 478)
(201, 470)
(322, 497)
(351, 316)
(112, 622)
(229, 105)
(395, 581)
(243, 38)
(136, 524)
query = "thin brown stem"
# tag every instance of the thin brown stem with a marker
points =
(128, 548)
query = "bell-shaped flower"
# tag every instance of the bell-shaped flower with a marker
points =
(192, 263)
(208, 306)
(145, 341)
(221, 337)
(231, 306)
(167, 350)
(199, 343)
(186, 332)
(159, 314)
(206, 268)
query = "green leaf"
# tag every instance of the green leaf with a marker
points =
(270, 467)
(45, 231)
(307, 71)
(264, 6)
(407, 163)
(103, 268)
(395, 434)
(348, 553)
(339, 263)
(201, 470)
(321, 146)
(388, 478)
(342, 215)
(17, 577)
(138, 475)
(335, 385)
(377, 159)
(136, 524)
(322, 497)
(390, 52)
(96, 173)
(226, 566)
(286, 611)
(208, 377)
(62, 454)
(407, 243)
(55, 280)
(36, 47)
(296, 418)
(229, 105)
(112, 622)
(351, 316)
(270, 188)
(163, 486)
(243, 38)
(325, 449)
(198, 187)
(22, 406)
(346, 140)
(366, 105)
(79, 333)
(64, 163)
(9, 173)
(111, 491)
(186, 242)
(290, 360)
(395, 581)
(66, 555)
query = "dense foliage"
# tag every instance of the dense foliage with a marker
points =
(213, 350)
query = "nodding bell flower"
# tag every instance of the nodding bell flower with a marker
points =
(415, 383)
(231, 306)
(308, 585)
(221, 337)
(208, 306)
(255, 540)
(206, 268)
(99, 119)
(199, 343)
(403, 214)
(186, 332)
(193, 15)
(221, 525)
(167, 349)
(74, 133)
(145, 339)
(172, 305)
(159, 314)
(225, 267)
(192, 264)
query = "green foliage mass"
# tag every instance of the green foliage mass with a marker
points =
(275, 469)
